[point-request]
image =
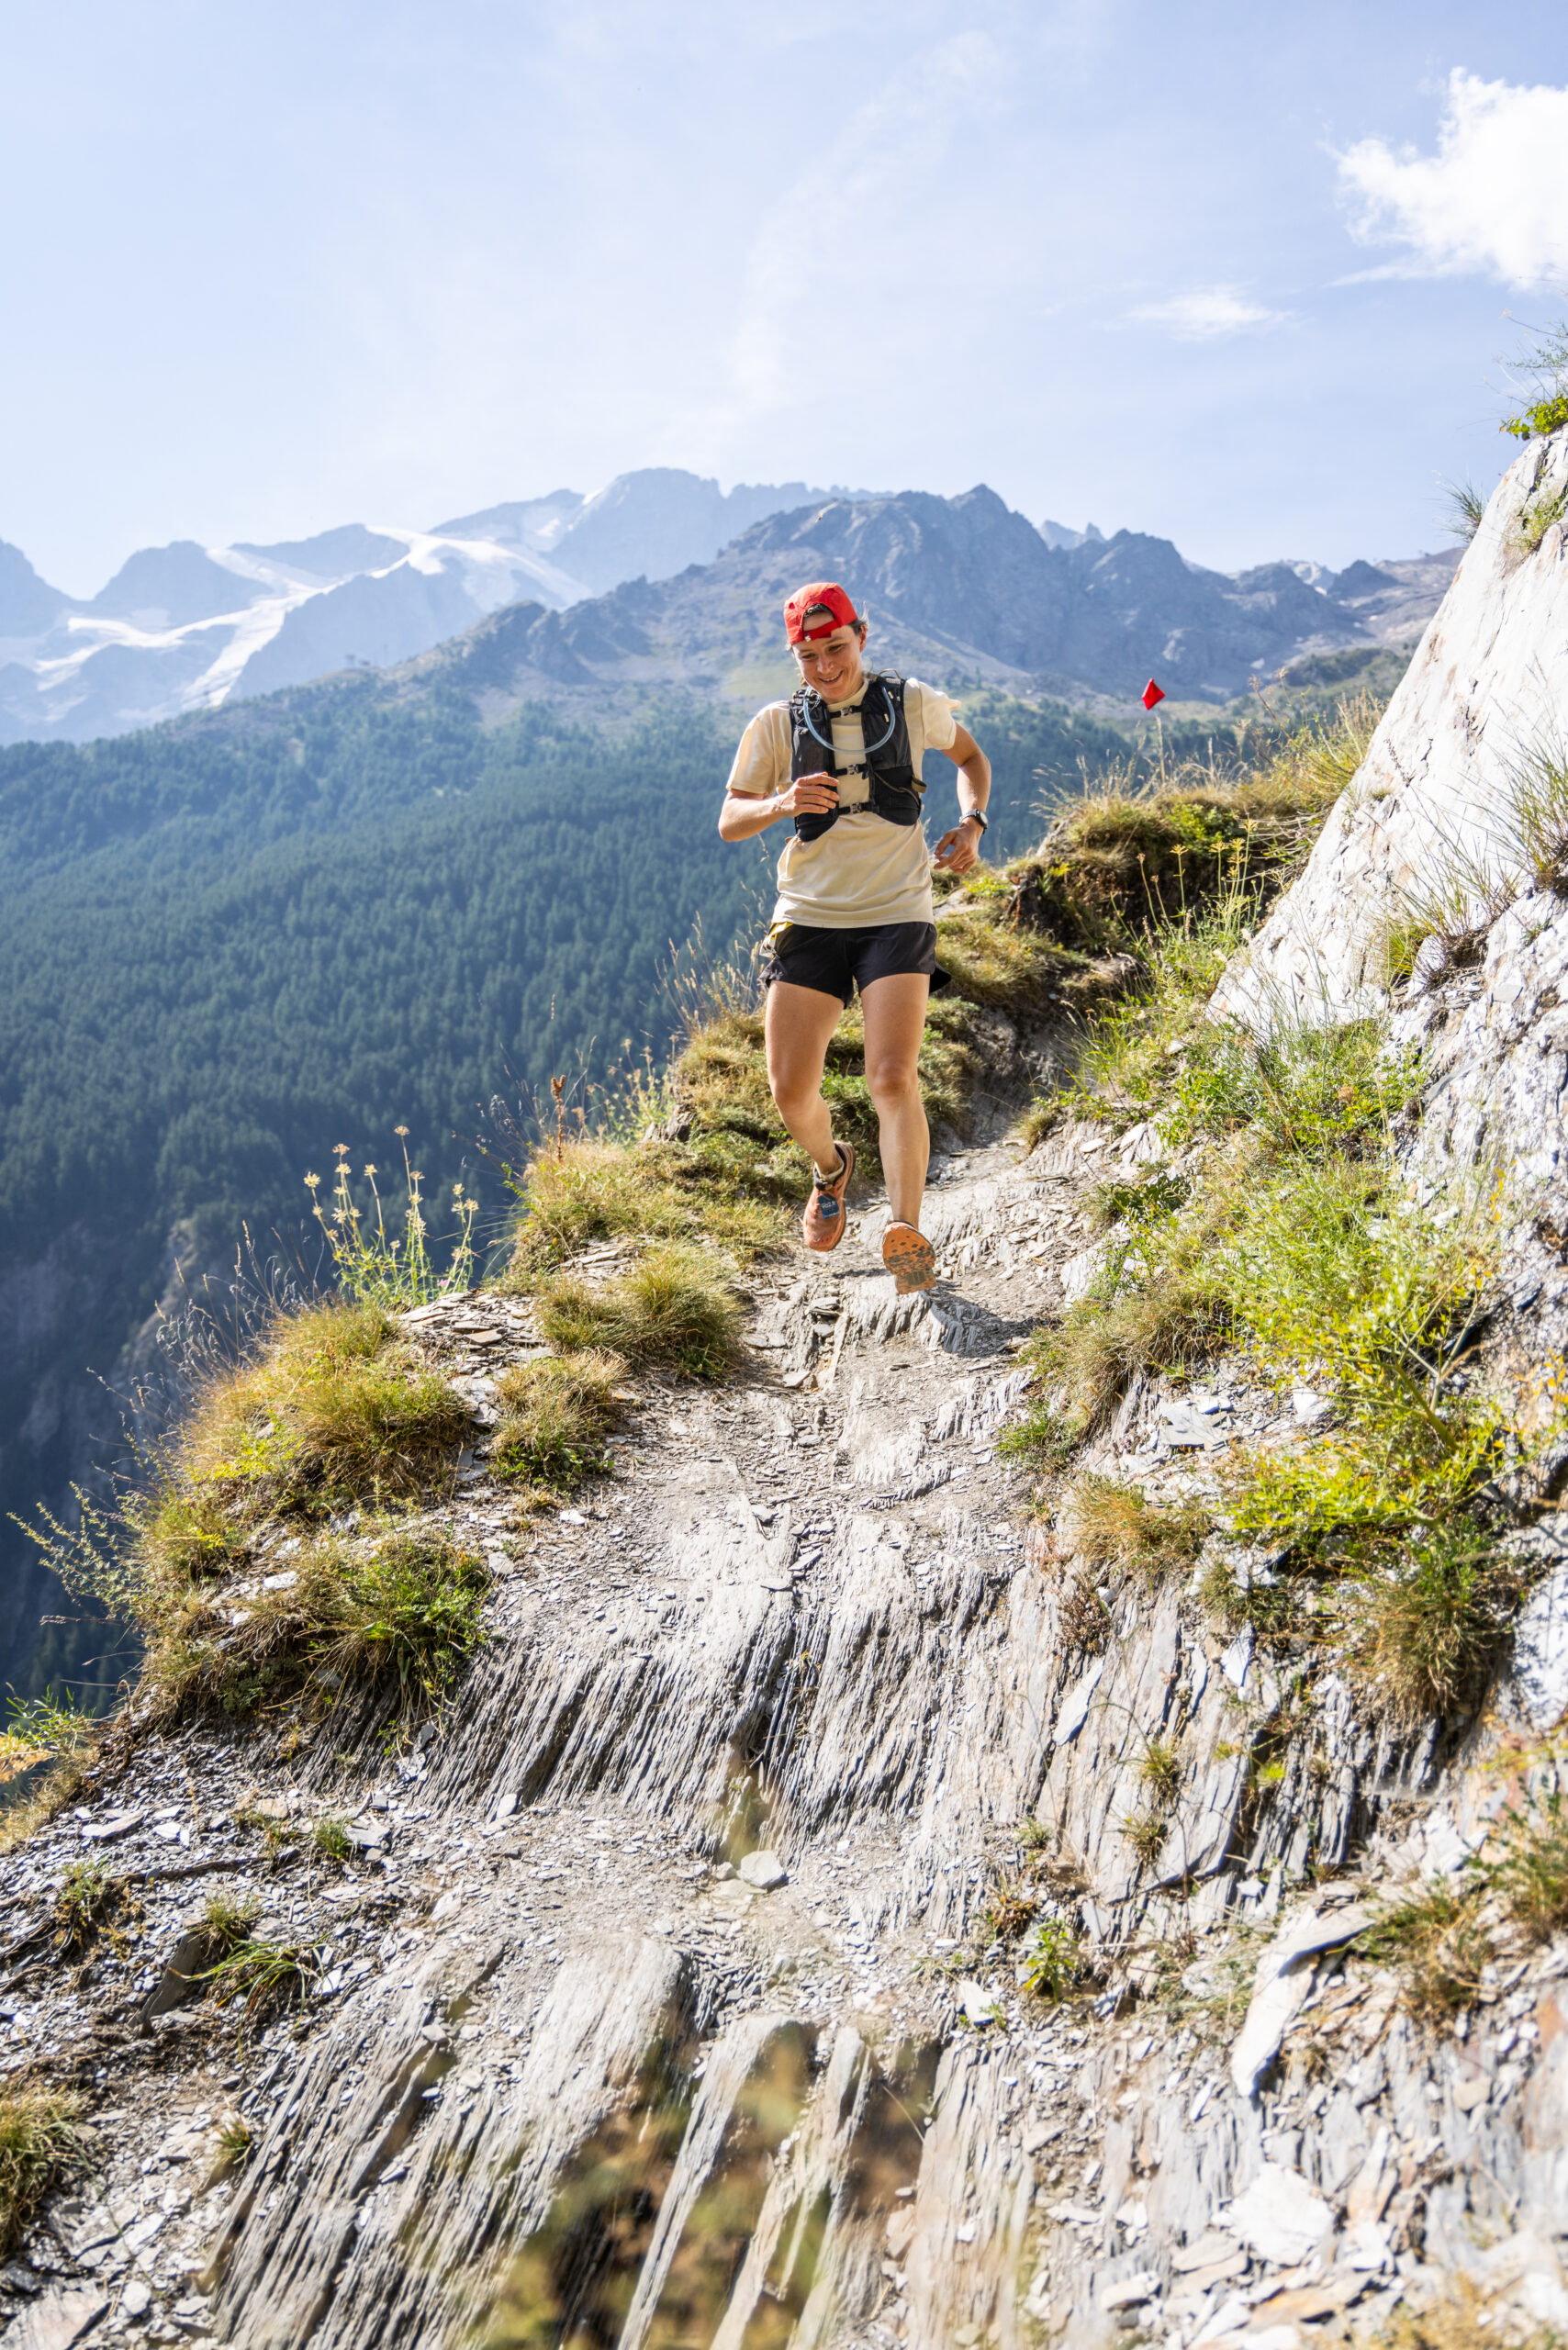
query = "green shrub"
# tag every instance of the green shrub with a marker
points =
(1549, 414)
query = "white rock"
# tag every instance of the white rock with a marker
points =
(1139, 2287)
(447, 1907)
(56, 2320)
(1278, 2216)
(137, 2297)
(765, 1870)
(1075, 1704)
(976, 2004)
(1365, 2244)
(1538, 1678)
(1236, 1662)
(1280, 1985)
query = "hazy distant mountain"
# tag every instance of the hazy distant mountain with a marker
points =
(588, 592)
(958, 590)
(186, 627)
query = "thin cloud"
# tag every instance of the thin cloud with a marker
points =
(1493, 200)
(1209, 313)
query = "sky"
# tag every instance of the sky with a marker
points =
(1246, 278)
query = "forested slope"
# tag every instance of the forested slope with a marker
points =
(229, 943)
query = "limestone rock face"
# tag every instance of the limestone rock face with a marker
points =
(1434, 810)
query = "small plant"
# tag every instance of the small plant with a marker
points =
(332, 1840)
(556, 1412)
(87, 1898)
(268, 1978)
(1009, 1911)
(1546, 369)
(1424, 1629)
(409, 1609)
(673, 1310)
(1539, 791)
(236, 2144)
(1053, 1958)
(374, 1268)
(1084, 1615)
(1434, 1939)
(1146, 1831)
(1040, 1441)
(1160, 1771)
(226, 1921)
(41, 2137)
(1537, 515)
(1465, 508)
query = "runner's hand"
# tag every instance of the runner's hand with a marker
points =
(958, 850)
(809, 795)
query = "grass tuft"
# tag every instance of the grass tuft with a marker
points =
(674, 1311)
(1113, 1526)
(1434, 1938)
(556, 1412)
(1529, 1872)
(267, 1978)
(331, 1839)
(41, 2138)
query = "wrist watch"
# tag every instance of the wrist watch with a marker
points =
(975, 816)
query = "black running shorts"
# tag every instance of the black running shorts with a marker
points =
(836, 962)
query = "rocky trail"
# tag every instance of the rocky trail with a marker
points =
(675, 1988)
(648, 2010)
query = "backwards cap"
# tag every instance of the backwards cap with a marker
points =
(824, 596)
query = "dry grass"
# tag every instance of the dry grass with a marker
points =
(1528, 1868)
(1421, 1631)
(1113, 1526)
(1435, 1939)
(1122, 861)
(41, 2137)
(596, 1190)
(556, 1412)
(333, 1409)
(674, 1311)
(1464, 2316)
(40, 1801)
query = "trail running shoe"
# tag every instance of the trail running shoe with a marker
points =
(823, 1222)
(909, 1256)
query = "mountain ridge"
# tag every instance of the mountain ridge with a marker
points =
(1028, 608)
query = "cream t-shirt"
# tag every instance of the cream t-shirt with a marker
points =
(862, 870)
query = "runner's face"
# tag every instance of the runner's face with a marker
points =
(832, 663)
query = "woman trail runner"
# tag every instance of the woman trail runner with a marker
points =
(842, 758)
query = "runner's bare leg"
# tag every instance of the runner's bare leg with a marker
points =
(797, 1025)
(894, 1011)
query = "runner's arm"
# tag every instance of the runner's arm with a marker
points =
(957, 850)
(747, 814)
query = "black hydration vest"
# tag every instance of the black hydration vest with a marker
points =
(895, 789)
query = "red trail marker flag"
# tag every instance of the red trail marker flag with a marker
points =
(1151, 694)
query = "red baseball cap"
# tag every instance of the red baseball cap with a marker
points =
(832, 597)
